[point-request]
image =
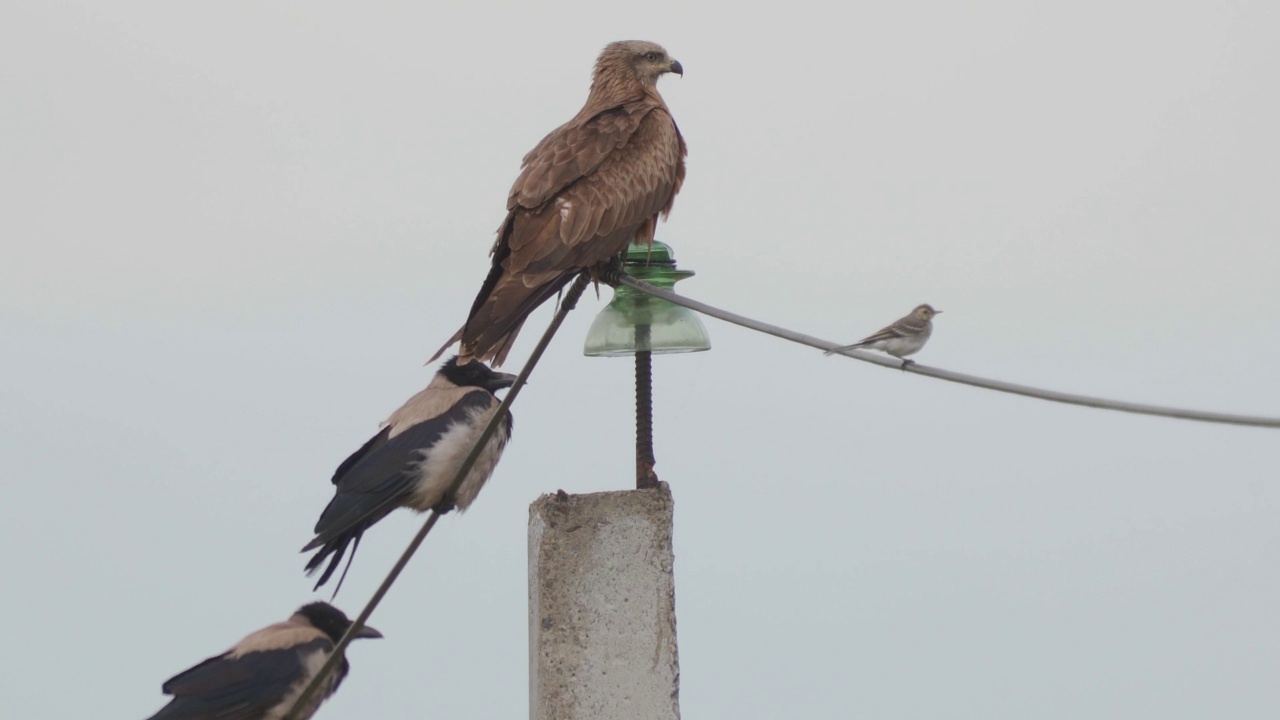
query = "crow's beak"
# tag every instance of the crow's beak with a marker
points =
(368, 633)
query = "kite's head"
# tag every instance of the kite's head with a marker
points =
(643, 60)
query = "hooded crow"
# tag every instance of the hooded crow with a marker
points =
(412, 461)
(261, 676)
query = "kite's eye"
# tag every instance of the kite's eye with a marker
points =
(652, 56)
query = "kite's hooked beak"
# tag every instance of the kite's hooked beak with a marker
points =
(677, 68)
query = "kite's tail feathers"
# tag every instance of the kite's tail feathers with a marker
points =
(456, 337)
(498, 354)
(491, 348)
(491, 331)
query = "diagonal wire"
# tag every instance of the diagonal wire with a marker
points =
(566, 304)
(623, 278)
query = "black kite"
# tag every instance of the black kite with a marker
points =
(591, 187)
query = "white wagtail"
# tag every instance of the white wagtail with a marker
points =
(904, 337)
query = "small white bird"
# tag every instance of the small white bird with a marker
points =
(904, 337)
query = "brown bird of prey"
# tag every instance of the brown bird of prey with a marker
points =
(261, 676)
(592, 186)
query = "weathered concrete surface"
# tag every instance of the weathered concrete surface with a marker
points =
(602, 620)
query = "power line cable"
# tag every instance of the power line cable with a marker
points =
(615, 276)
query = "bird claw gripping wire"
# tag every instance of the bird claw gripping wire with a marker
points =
(611, 271)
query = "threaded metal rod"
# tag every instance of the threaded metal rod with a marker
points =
(645, 476)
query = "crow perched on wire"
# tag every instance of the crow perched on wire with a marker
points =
(261, 676)
(412, 460)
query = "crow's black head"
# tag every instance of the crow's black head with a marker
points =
(331, 621)
(475, 374)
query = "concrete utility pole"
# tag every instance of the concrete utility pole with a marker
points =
(602, 616)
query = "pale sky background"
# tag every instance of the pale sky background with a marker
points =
(232, 233)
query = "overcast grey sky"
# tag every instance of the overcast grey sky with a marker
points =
(232, 233)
